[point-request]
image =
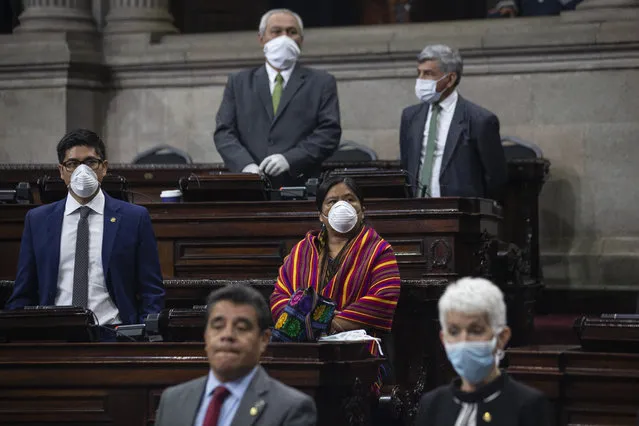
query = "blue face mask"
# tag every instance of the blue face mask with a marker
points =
(472, 360)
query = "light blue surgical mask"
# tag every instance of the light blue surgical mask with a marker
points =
(426, 90)
(472, 360)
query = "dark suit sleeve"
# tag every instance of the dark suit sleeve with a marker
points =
(493, 159)
(226, 138)
(424, 414)
(25, 290)
(302, 414)
(150, 284)
(536, 412)
(324, 140)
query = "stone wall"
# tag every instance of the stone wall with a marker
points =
(567, 83)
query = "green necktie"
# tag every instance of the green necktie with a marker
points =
(277, 92)
(427, 167)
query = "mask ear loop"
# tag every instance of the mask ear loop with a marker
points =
(499, 353)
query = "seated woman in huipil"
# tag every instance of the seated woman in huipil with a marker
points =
(346, 262)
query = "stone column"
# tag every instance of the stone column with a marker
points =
(139, 16)
(60, 16)
(604, 10)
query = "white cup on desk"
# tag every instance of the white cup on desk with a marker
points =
(171, 196)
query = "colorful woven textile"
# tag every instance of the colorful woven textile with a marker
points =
(306, 316)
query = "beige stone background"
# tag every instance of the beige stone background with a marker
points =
(570, 84)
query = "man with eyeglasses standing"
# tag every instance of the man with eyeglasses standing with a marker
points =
(89, 249)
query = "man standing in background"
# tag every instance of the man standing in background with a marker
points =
(449, 146)
(281, 119)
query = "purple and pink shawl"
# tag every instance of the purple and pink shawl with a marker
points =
(365, 288)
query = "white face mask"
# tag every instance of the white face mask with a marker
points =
(342, 217)
(281, 52)
(426, 90)
(84, 182)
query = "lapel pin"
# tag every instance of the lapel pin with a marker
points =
(112, 220)
(487, 417)
(255, 409)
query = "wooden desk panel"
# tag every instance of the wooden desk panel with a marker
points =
(438, 238)
(120, 383)
(594, 388)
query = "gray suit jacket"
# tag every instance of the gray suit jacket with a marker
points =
(473, 165)
(276, 404)
(306, 128)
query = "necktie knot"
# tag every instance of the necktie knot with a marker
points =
(220, 393)
(279, 79)
(84, 212)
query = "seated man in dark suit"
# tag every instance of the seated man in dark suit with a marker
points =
(449, 146)
(237, 391)
(89, 249)
(280, 119)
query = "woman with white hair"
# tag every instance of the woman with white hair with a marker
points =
(472, 314)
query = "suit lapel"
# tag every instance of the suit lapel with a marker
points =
(253, 402)
(298, 76)
(191, 400)
(54, 233)
(455, 132)
(417, 134)
(112, 219)
(262, 86)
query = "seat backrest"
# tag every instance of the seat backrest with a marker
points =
(163, 154)
(352, 152)
(515, 147)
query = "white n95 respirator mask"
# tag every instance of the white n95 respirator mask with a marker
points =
(84, 182)
(282, 52)
(342, 217)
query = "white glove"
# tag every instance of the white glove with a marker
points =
(251, 168)
(274, 165)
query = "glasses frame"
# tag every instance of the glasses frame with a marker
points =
(86, 161)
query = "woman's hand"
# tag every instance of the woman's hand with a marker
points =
(336, 327)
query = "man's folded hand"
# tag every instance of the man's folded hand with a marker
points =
(274, 165)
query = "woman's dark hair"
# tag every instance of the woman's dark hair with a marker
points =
(240, 294)
(80, 137)
(330, 182)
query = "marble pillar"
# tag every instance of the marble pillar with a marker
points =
(60, 16)
(139, 16)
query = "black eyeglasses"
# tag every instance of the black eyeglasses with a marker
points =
(92, 162)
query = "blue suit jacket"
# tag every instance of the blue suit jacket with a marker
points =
(129, 259)
(474, 163)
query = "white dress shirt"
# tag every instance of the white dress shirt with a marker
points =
(236, 389)
(445, 118)
(99, 299)
(272, 74)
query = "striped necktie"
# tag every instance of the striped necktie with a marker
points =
(80, 295)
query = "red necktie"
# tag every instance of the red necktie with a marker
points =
(215, 406)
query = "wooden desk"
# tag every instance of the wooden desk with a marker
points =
(593, 388)
(413, 346)
(438, 238)
(520, 213)
(121, 383)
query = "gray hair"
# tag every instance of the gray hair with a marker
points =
(267, 15)
(474, 296)
(449, 59)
